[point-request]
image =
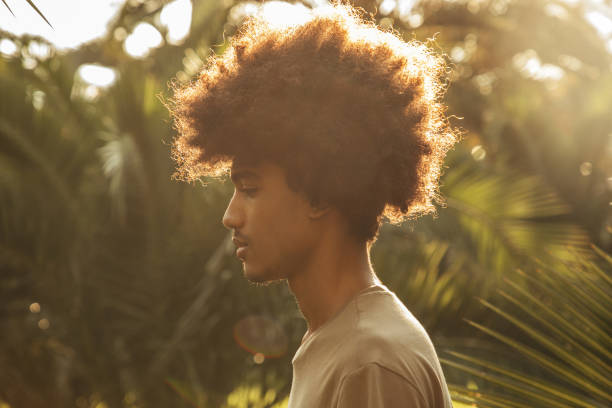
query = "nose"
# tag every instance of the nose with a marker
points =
(233, 217)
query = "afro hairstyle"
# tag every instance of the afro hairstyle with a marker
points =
(352, 113)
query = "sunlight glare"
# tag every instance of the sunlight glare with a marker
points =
(556, 10)
(240, 11)
(40, 50)
(570, 62)
(387, 6)
(279, 14)
(404, 9)
(38, 99)
(282, 14)
(586, 168)
(97, 75)
(530, 65)
(143, 39)
(8, 48)
(601, 22)
(29, 63)
(415, 20)
(177, 17)
(484, 82)
(74, 21)
(457, 54)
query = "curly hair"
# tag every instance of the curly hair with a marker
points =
(352, 113)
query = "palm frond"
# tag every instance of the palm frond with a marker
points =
(7, 6)
(507, 217)
(554, 389)
(31, 3)
(523, 388)
(120, 159)
(564, 310)
(12, 136)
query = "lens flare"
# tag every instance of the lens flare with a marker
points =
(261, 336)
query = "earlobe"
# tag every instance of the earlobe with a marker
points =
(318, 211)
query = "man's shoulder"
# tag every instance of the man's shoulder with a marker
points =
(386, 333)
(388, 343)
(383, 320)
(403, 356)
(374, 344)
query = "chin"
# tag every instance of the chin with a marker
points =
(263, 277)
(253, 275)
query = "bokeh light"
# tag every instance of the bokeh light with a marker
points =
(8, 48)
(39, 50)
(277, 13)
(143, 39)
(35, 307)
(601, 22)
(38, 99)
(478, 153)
(97, 75)
(176, 16)
(586, 168)
(530, 65)
(43, 324)
(258, 358)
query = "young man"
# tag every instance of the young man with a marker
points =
(327, 126)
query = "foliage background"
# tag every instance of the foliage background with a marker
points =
(119, 286)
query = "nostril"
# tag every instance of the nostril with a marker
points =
(231, 218)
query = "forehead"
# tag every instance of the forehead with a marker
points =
(242, 169)
(240, 173)
(263, 172)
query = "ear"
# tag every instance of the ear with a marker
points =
(318, 210)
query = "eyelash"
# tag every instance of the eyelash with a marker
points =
(248, 191)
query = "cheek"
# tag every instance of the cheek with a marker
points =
(282, 230)
(294, 236)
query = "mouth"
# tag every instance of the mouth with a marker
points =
(241, 252)
(241, 248)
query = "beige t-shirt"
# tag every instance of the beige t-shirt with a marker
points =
(373, 353)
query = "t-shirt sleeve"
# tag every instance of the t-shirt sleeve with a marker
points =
(374, 386)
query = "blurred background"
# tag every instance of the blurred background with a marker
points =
(119, 287)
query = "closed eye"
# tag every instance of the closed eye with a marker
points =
(250, 191)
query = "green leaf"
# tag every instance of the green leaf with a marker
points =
(567, 357)
(558, 324)
(530, 381)
(545, 361)
(541, 397)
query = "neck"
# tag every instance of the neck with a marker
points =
(336, 272)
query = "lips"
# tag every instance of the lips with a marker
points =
(241, 252)
(238, 243)
(241, 247)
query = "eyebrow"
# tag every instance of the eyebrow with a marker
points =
(238, 175)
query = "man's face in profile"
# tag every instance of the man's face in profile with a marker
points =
(272, 230)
